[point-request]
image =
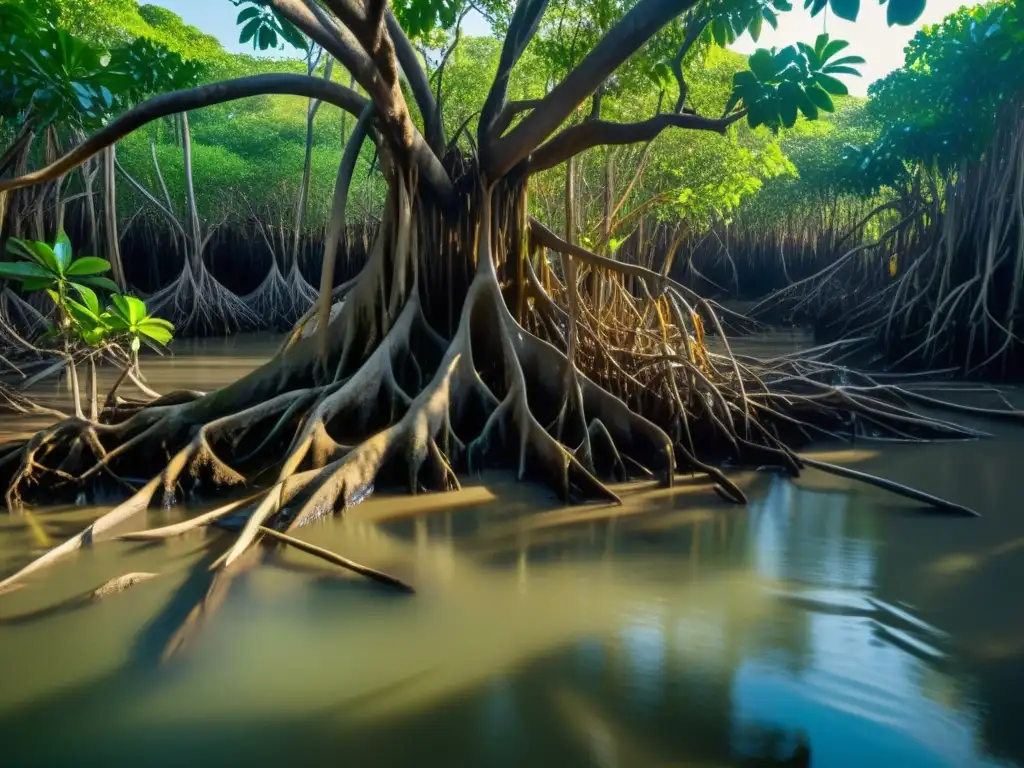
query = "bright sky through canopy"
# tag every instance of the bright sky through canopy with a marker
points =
(870, 37)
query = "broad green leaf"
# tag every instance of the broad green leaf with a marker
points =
(841, 70)
(847, 60)
(20, 271)
(246, 14)
(88, 297)
(788, 112)
(136, 310)
(41, 253)
(846, 9)
(771, 18)
(820, 98)
(806, 105)
(762, 65)
(831, 85)
(720, 32)
(103, 283)
(37, 283)
(82, 314)
(161, 322)
(250, 30)
(266, 38)
(88, 265)
(755, 27)
(833, 47)
(904, 12)
(115, 321)
(93, 336)
(121, 306)
(156, 332)
(62, 250)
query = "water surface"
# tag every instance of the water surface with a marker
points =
(673, 631)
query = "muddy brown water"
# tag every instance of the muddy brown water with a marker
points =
(671, 631)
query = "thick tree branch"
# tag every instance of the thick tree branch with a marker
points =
(592, 133)
(508, 114)
(432, 173)
(419, 84)
(522, 27)
(338, 41)
(638, 26)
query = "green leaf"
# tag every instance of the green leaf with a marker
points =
(246, 14)
(40, 253)
(771, 18)
(103, 283)
(62, 250)
(755, 27)
(93, 336)
(841, 70)
(834, 47)
(846, 9)
(161, 322)
(22, 270)
(37, 283)
(806, 105)
(820, 99)
(848, 60)
(88, 297)
(88, 265)
(831, 85)
(762, 65)
(83, 315)
(115, 321)
(156, 332)
(904, 12)
(136, 310)
(249, 31)
(720, 32)
(788, 112)
(121, 307)
(267, 38)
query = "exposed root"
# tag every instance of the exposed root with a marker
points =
(121, 583)
(324, 554)
(199, 305)
(889, 485)
(578, 376)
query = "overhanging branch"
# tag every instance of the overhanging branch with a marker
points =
(431, 171)
(638, 26)
(592, 133)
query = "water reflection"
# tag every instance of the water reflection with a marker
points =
(671, 631)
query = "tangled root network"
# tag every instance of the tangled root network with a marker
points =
(485, 342)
